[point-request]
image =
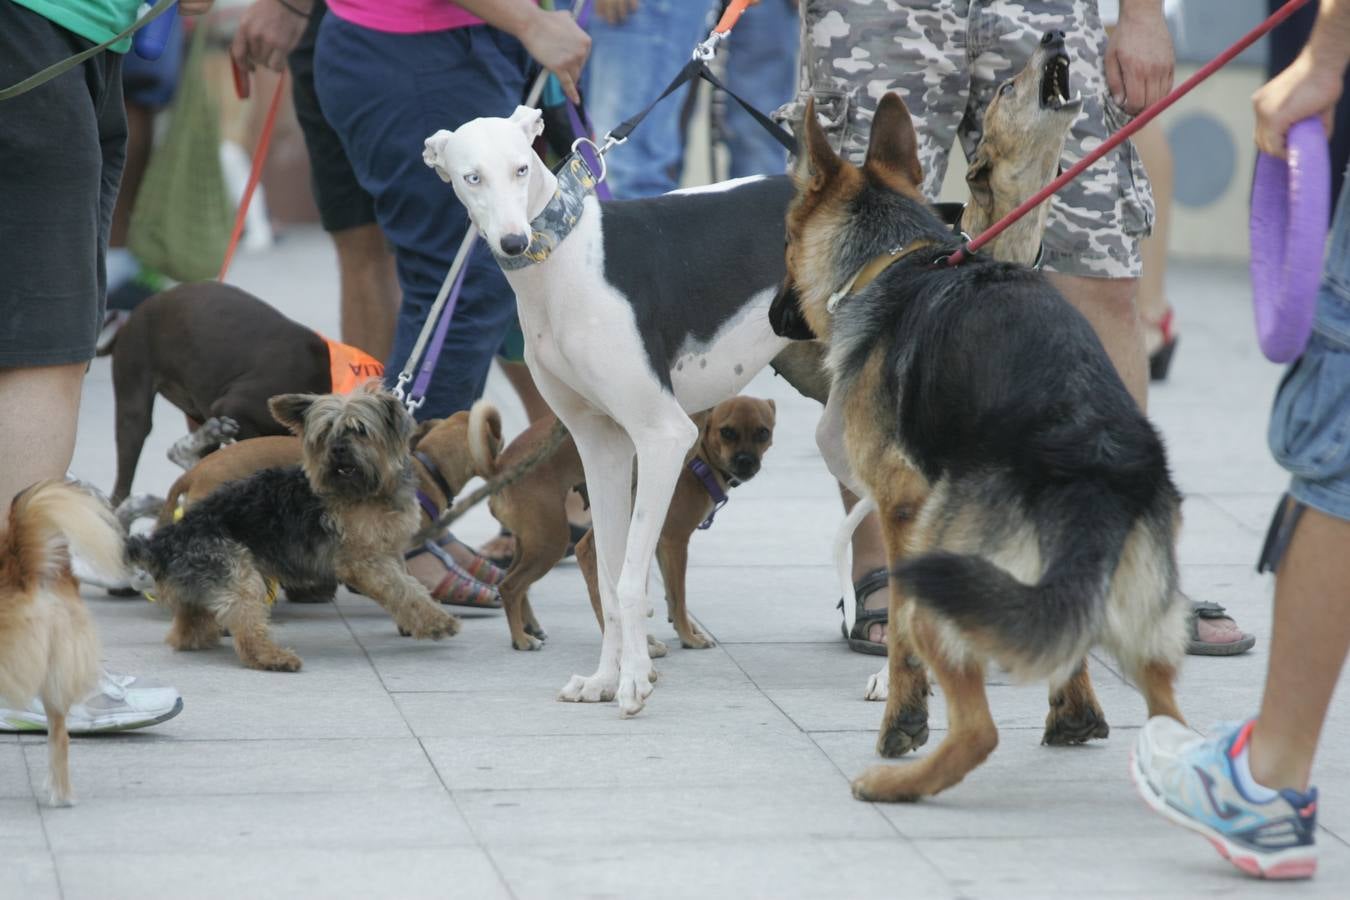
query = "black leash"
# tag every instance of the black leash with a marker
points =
(697, 68)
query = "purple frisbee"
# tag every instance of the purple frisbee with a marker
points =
(1291, 202)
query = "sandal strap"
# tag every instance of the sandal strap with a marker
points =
(1208, 609)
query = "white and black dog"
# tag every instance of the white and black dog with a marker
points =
(635, 314)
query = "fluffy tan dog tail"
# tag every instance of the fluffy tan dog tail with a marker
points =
(49, 519)
(485, 438)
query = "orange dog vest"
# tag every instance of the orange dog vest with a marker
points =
(351, 367)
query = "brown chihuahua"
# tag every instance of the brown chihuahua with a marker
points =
(734, 437)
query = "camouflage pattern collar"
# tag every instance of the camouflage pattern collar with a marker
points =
(558, 218)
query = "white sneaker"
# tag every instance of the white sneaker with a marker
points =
(119, 703)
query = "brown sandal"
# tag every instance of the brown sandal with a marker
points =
(458, 587)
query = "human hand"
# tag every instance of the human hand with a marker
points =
(267, 32)
(1139, 57)
(558, 44)
(1304, 89)
(615, 11)
(194, 7)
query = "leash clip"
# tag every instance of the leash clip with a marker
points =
(599, 154)
(706, 50)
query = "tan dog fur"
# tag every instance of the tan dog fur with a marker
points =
(48, 646)
(533, 508)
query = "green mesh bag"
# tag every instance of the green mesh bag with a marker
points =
(183, 217)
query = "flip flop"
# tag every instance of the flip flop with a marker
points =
(864, 619)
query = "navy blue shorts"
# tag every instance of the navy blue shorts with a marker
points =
(385, 94)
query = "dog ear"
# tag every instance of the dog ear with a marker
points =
(785, 314)
(290, 410)
(773, 410)
(530, 120)
(977, 178)
(398, 419)
(894, 145)
(818, 162)
(433, 152)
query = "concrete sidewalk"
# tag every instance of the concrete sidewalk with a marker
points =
(390, 768)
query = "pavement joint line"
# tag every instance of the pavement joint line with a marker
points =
(42, 823)
(440, 778)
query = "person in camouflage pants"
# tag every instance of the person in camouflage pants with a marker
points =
(946, 58)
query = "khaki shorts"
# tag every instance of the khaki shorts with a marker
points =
(946, 58)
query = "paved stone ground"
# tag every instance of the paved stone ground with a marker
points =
(394, 768)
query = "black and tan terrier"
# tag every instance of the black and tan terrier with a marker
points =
(346, 514)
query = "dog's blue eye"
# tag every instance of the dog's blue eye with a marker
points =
(522, 171)
(1007, 87)
(472, 178)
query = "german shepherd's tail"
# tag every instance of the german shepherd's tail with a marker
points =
(1035, 630)
(51, 518)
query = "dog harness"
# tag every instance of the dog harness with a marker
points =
(719, 496)
(424, 500)
(558, 218)
(350, 367)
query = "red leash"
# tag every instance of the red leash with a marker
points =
(259, 158)
(1123, 134)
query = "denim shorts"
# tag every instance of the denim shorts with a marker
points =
(1310, 423)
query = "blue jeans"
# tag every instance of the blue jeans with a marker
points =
(762, 68)
(385, 94)
(630, 64)
(1310, 423)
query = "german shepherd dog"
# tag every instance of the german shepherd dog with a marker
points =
(1025, 500)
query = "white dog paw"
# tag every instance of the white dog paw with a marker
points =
(634, 689)
(589, 689)
(655, 649)
(879, 685)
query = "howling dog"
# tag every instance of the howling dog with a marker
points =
(1025, 500)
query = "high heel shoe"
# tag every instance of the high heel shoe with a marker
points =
(1161, 339)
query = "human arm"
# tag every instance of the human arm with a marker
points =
(194, 7)
(1311, 85)
(615, 11)
(269, 30)
(1139, 57)
(553, 38)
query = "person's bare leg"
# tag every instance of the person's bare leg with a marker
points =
(869, 553)
(35, 446)
(368, 286)
(140, 134)
(1307, 650)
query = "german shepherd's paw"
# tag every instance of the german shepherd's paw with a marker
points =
(907, 731)
(1066, 725)
(881, 784)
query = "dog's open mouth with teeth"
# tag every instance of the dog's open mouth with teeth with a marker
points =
(1055, 93)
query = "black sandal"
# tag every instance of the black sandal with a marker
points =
(864, 618)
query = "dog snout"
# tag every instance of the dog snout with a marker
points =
(514, 244)
(744, 465)
(1053, 39)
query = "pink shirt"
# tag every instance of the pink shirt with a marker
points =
(404, 16)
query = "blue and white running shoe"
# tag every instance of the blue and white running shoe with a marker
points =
(1190, 780)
